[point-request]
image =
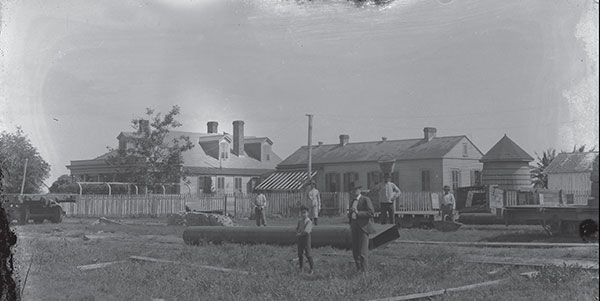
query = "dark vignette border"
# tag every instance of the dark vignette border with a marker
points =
(8, 286)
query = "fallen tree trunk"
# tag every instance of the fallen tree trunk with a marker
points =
(326, 235)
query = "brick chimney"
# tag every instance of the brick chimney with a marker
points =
(212, 127)
(429, 133)
(143, 126)
(344, 139)
(238, 138)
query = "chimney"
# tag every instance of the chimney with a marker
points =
(212, 127)
(344, 139)
(429, 133)
(238, 138)
(383, 138)
(143, 126)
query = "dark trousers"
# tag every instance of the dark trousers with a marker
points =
(304, 249)
(360, 245)
(447, 210)
(386, 213)
(259, 215)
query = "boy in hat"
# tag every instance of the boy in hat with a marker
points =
(448, 204)
(303, 230)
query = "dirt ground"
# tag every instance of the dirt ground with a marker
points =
(52, 252)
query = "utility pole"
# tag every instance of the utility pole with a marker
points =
(310, 117)
(24, 176)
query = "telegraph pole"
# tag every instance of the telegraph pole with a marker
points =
(310, 117)
(24, 176)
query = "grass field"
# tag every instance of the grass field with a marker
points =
(55, 250)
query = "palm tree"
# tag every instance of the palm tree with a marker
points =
(540, 179)
(581, 149)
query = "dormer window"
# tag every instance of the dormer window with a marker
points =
(224, 150)
(266, 153)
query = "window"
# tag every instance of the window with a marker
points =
(350, 178)
(224, 150)
(455, 179)
(425, 180)
(204, 184)
(220, 183)
(374, 178)
(465, 149)
(475, 178)
(332, 182)
(238, 184)
(265, 153)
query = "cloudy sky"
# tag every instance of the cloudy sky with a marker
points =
(74, 73)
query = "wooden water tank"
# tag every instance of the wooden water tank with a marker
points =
(507, 165)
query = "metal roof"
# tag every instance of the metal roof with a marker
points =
(506, 150)
(285, 180)
(572, 162)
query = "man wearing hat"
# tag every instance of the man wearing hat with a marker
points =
(388, 192)
(360, 215)
(314, 198)
(448, 204)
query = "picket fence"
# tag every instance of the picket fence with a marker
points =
(240, 205)
(151, 205)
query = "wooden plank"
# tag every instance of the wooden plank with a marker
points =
(156, 260)
(443, 291)
(94, 266)
(500, 244)
(584, 264)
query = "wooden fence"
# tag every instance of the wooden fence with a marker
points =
(153, 205)
(546, 197)
(284, 204)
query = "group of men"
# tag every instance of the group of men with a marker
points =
(361, 215)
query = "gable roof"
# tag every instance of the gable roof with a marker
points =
(572, 162)
(506, 150)
(407, 149)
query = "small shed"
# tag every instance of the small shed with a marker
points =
(571, 171)
(506, 164)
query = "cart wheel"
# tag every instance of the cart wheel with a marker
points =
(57, 215)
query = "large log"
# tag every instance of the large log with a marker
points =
(326, 235)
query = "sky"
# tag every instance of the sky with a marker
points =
(73, 74)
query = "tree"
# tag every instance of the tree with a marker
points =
(15, 148)
(540, 179)
(152, 157)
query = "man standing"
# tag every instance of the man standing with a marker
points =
(360, 215)
(448, 204)
(260, 203)
(388, 192)
(314, 198)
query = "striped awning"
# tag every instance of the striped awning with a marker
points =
(285, 180)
